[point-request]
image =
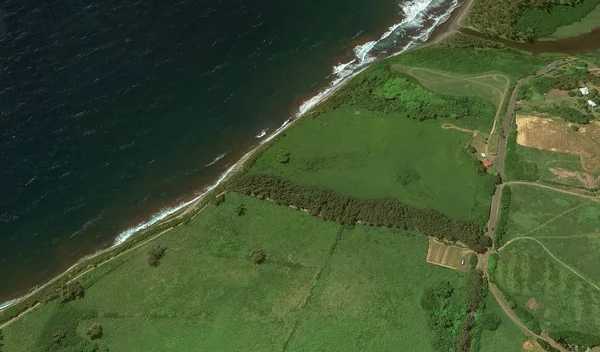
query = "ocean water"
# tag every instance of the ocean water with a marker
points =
(113, 112)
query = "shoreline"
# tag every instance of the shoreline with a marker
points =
(432, 36)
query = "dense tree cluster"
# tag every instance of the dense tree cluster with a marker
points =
(94, 331)
(1, 341)
(504, 216)
(574, 339)
(380, 89)
(461, 40)
(546, 346)
(523, 19)
(345, 209)
(71, 292)
(445, 317)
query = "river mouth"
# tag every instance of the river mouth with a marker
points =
(582, 44)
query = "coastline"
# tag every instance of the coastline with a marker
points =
(432, 36)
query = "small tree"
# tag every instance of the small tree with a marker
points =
(283, 156)
(1, 340)
(258, 256)
(94, 331)
(71, 292)
(155, 254)
(575, 128)
(572, 94)
(240, 210)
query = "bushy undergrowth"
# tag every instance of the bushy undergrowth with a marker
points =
(351, 210)
(577, 341)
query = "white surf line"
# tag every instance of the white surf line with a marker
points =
(215, 160)
(7, 304)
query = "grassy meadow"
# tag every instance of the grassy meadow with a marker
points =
(321, 285)
(367, 154)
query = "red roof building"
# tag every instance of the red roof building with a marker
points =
(487, 163)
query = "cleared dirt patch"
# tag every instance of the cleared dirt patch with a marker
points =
(558, 136)
(583, 178)
(533, 304)
(527, 346)
(448, 256)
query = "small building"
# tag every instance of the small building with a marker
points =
(584, 91)
(592, 104)
(487, 163)
(483, 155)
(494, 153)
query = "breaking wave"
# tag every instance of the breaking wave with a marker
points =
(215, 160)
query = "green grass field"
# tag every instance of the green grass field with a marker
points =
(545, 160)
(508, 337)
(563, 300)
(367, 297)
(585, 25)
(536, 211)
(207, 292)
(365, 154)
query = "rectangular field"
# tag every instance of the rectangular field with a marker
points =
(448, 256)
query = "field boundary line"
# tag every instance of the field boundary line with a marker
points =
(312, 287)
(555, 258)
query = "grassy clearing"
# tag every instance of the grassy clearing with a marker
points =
(546, 160)
(368, 296)
(554, 295)
(367, 155)
(532, 208)
(508, 337)
(206, 291)
(585, 25)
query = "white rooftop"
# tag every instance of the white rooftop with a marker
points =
(584, 91)
(592, 104)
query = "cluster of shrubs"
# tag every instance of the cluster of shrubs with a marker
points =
(155, 254)
(574, 340)
(381, 89)
(385, 212)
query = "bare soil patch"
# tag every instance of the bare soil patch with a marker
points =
(533, 304)
(558, 136)
(448, 256)
(527, 346)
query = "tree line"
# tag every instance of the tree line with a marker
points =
(384, 212)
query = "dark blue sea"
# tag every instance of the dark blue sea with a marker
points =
(113, 111)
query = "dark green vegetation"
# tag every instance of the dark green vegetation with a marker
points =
(350, 210)
(517, 167)
(527, 20)
(504, 217)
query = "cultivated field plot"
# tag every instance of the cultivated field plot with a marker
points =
(558, 296)
(448, 256)
(558, 136)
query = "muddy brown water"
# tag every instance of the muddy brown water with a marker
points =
(582, 44)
